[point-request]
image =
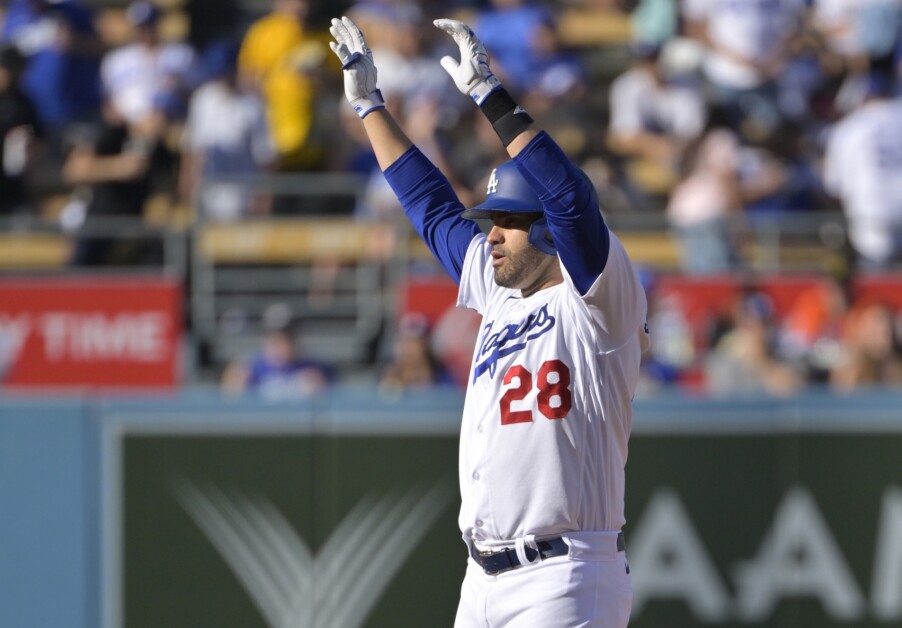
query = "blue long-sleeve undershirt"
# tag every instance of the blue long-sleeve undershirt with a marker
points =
(433, 208)
(577, 227)
(571, 208)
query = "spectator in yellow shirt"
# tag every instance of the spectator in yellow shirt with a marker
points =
(276, 55)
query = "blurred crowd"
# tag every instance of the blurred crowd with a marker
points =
(709, 112)
(827, 333)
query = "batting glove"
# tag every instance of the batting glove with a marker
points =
(471, 74)
(357, 62)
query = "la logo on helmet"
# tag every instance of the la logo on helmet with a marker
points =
(493, 183)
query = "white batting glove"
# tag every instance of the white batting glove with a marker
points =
(471, 74)
(357, 62)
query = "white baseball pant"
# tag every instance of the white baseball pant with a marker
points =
(588, 587)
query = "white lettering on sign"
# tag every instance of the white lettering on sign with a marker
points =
(94, 337)
(798, 558)
(670, 561)
(886, 596)
(14, 332)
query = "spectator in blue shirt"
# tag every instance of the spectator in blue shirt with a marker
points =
(277, 371)
(63, 50)
(509, 30)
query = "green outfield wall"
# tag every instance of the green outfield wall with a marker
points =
(342, 512)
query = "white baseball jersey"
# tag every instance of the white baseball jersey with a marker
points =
(548, 408)
(754, 29)
(862, 166)
(639, 104)
(134, 76)
(229, 130)
(857, 26)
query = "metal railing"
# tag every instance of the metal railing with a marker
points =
(31, 246)
(316, 256)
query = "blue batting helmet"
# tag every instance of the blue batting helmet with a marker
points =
(508, 191)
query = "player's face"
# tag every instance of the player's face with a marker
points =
(516, 262)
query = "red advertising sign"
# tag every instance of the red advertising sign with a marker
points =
(119, 333)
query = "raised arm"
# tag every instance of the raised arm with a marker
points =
(570, 202)
(423, 191)
(388, 140)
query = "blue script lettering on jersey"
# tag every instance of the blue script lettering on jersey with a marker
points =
(510, 339)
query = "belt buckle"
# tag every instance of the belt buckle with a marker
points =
(503, 569)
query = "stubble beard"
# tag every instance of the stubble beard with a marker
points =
(517, 268)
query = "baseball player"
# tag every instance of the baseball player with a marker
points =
(548, 408)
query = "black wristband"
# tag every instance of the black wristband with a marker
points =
(507, 117)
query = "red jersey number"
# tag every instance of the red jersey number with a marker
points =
(554, 399)
(519, 393)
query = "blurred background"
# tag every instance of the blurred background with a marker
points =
(221, 342)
